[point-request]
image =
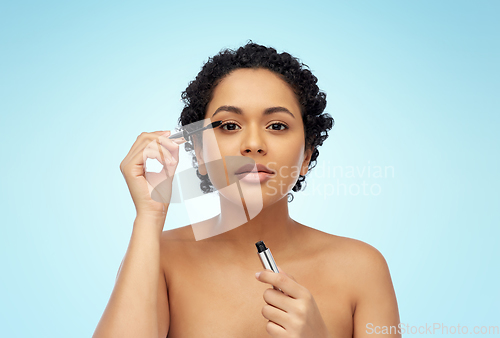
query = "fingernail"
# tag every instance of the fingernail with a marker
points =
(257, 275)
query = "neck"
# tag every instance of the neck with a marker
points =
(272, 225)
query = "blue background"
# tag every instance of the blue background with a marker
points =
(411, 85)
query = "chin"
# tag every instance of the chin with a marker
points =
(255, 197)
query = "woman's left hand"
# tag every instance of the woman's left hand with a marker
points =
(293, 313)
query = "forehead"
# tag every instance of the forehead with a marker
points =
(254, 88)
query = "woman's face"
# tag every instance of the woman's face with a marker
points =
(262, 122)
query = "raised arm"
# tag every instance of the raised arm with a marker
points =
(138, 306)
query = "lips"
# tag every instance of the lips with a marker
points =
(250, 168)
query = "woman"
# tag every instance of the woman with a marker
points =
(172, 285)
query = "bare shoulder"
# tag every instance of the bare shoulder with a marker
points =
(358, 253)
(362, 272)
(351, 250)
(359, 262)
(367, 276)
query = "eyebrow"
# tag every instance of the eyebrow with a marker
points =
(238, 111)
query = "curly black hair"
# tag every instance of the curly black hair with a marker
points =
(199, 93)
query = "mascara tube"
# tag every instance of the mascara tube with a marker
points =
(267, 259)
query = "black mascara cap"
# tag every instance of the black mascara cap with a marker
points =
(260, 246)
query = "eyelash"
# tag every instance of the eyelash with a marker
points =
(232, 122)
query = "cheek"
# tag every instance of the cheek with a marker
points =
(289, 173)
(288, 167)
(290, 157)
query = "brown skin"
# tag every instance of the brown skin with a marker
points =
(281, 150)
(332, 289)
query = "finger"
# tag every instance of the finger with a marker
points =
(282, 281)
(275, 330)
(171, 162)
(164, 154)
(158, 152)
(177, 140)
(171, 145)
(143, 139)
(159, 186)
(136, 166)
(278, 299)
(275, 315)
(281, 271)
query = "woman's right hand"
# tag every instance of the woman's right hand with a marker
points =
(141, 184)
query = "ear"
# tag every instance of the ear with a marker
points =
(305, 164)
(199, 155)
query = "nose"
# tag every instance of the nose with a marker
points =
(253, 142)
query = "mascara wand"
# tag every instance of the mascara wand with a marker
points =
(184, 133)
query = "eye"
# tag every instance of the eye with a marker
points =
(278, 126)
(229, 126)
